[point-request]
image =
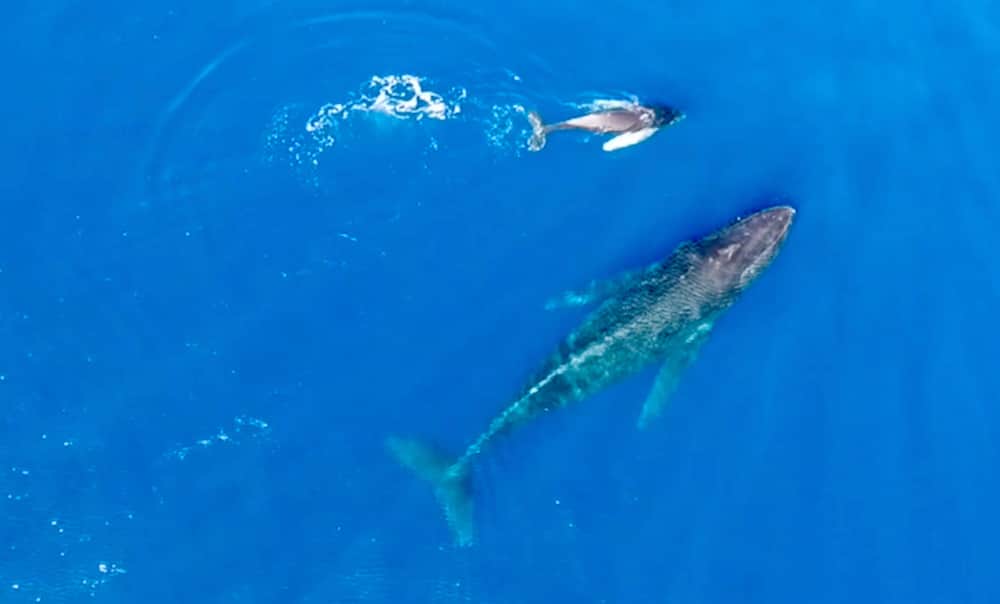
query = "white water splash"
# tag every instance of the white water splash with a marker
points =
(401, 97)
(508, 127)
(105, 572)
(611, 104)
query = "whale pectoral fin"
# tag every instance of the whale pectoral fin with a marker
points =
(598, 291)
(628, 139)
(670, 373)
(573, 299)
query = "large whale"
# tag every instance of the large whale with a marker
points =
(662, 313)
(631, 122)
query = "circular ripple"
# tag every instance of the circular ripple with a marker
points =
(320, 96)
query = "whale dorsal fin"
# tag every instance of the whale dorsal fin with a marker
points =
(679, 359)
(628, 139)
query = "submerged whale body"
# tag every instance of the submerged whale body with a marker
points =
(662, 313)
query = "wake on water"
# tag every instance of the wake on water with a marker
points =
(410, 97)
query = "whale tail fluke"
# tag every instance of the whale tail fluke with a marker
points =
(538, 132)
(450, 479)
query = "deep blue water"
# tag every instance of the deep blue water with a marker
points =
(223, 282)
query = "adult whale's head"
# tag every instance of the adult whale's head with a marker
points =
(731, 258)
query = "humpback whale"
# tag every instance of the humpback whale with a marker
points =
(661, 313)
(632, 123)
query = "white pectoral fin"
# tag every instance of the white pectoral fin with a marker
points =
(628, 139)
(670, 373)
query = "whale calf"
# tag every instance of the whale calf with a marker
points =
(633, 123)
(662, 313)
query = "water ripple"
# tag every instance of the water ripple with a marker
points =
(294, 83)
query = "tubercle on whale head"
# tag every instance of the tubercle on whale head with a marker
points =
(735, 255)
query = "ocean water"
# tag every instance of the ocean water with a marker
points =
(244, 242)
